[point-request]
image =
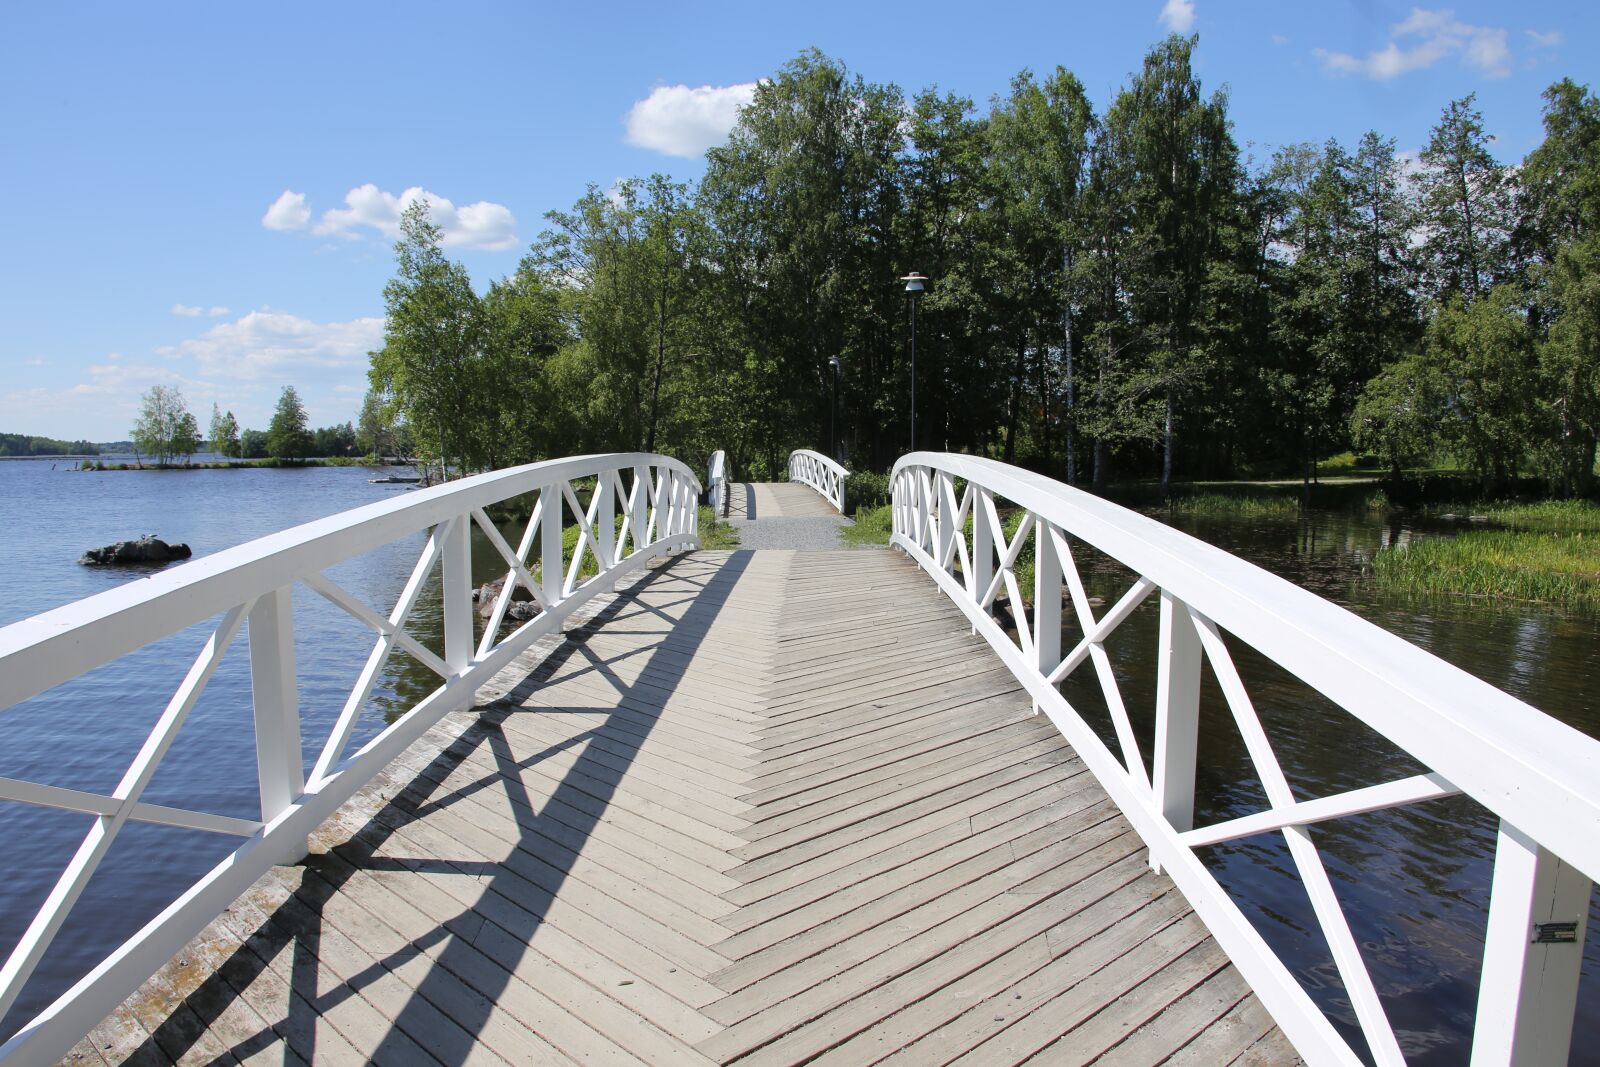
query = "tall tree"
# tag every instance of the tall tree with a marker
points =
(224, 432)
(288, 437)
(431, 361)
(164, 428)
(1464, 205)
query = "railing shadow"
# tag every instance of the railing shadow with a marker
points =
(742, 501)
(436, 1001)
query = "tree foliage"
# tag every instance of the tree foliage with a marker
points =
(1115, 292)
(165, 429)
(288, 438)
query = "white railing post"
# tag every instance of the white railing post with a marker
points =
(279, 765)
(639, 505)
(456, 578)
(1532, 955)
(982, 544)
(1177, 714)
(1046, 601)
(946, 491)
(552, 569)
(605, 518)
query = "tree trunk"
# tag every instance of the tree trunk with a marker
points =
(1166, 451)
(1014, 403)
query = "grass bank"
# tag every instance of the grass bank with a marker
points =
(1557, 568)
(873, 526)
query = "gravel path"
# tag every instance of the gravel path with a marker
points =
(787, 516)
(802, 535)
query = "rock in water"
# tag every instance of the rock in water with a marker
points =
(148, 549)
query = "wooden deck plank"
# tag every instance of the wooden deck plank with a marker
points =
(769, 807)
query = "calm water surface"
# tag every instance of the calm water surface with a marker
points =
(1414, 882)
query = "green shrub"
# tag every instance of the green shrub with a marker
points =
(865, 490)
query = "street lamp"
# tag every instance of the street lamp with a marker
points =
(914, 290)
(833, 436)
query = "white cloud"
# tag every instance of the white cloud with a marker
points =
(481, 225)
(276, 344)
(681, 121)
(186, 311)
(1552, 39)
(1178, 15)
(1428, 37)
(217, 312)
(1279, 39)
(289, 212)
(34, 362)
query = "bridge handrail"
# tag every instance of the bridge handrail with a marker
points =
(1539, 776)
(654, 497)
(719, 478)
(824, 475)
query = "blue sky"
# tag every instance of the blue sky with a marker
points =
(204, 194)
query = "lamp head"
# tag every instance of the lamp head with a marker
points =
(914, 282)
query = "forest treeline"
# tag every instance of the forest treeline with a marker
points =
(21, 444)
(1114, 294)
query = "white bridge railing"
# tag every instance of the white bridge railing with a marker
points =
(641, 506)
(1540, 777)
(821, 474)
(719, 478)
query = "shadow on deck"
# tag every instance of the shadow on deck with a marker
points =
(763, 808)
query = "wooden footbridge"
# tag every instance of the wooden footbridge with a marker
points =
(781, 806)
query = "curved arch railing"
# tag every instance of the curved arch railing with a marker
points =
(719, 479)
(1540, 777)
(628, 509)
(820, 473)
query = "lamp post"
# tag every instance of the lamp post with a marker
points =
(833, 407)
(914, 290)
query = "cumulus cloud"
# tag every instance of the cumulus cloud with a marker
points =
(276, 344)
(682, 121)
(289, 212)
(186, 311)
(1178, 15)
(1552, 39)
(483, 225)
(217, 312)
(1423, 39)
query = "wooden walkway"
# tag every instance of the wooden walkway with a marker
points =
(765, 808)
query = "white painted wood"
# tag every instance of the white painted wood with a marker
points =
(253, 581)
(276, 699)
(1533, 771)
(1529, 990)
(1356, 802)
(46, 923)
(1050, 561)
(456, 558)
(821, 473)
(1177, 713)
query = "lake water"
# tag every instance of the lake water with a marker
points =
(1414, 881)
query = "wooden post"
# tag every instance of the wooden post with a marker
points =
(605, 519)
(552, 568)
(456, 570)
(1177, 713)
(1532, 955)
(280, 768)
(1046, 601)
